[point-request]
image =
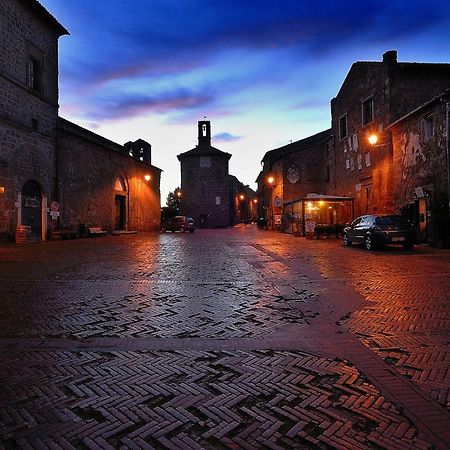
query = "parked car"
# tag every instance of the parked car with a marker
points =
(179, 223)
(377, 230)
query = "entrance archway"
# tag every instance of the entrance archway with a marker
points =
(120, 204)
(31, 208)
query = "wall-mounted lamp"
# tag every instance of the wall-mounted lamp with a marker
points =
(373, 139)
(270, 180)
(178, 194)
(242, 196)
(147, 177)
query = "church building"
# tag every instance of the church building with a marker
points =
(208, 194)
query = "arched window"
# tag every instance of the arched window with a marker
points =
(120, 185)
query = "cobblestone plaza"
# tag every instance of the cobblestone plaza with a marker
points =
(234, 338)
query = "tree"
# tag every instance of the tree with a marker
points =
(172, 207)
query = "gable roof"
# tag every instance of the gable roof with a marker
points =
(204, 150)
(51, 20)
(318, 138)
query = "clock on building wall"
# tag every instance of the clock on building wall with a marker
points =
(293, 174)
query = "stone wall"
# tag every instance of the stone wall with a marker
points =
(28, 117)
(88, 168)
(421, 169)
(201, 186)
(362, 170)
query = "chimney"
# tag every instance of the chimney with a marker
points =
(204, 133)
(390, 57)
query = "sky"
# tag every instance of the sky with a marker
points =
(262, 71)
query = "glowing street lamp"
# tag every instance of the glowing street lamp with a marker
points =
(255, 200)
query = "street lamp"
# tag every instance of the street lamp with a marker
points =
(147, 177)
(242, 196)
(178, 194)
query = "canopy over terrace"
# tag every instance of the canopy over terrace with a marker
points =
(317, 209)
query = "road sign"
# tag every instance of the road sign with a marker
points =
(54, 206)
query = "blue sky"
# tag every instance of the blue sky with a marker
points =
(262, 71)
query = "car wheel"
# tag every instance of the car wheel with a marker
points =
(368, 243)
(346, 241)
(182, 230)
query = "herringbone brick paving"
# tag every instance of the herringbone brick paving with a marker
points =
(248, 399)
(226, 289)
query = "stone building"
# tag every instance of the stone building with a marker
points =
(292, 172)
(28, 114)
(403, 168)
(120, 193)
(209, 192)
(373, 96)
(420, 167)
(47, 161)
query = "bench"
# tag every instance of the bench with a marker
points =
(96, 231)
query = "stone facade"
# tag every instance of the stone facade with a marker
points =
(374, 95)
(420, 166)
(205, 183)
(100, 184)
(292, 172)
(40, 155)
(403, 171)
(29, 78)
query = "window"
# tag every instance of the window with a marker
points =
(347, 163)
(359, 161)
(428, 127)
(33, 74)
(367, 159)
(35, 124)
(327, 173)
(352, 164)
(343, 126)
(217, 200)
(367, 111)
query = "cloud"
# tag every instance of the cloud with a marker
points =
(226, 137)
(131, 105)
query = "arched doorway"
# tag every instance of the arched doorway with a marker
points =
(31, 208)
(120, 204)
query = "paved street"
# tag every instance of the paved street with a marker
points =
(233, 338)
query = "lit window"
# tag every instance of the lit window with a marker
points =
(428, 127)
(343, 126)
(367, 159)
(347, 164)
(367, 111)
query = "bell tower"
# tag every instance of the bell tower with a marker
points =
(204, 133)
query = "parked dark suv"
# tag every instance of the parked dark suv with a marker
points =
(179, 223)
(374, 230)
